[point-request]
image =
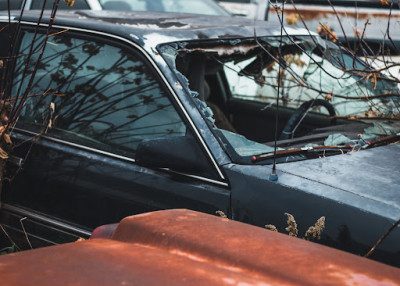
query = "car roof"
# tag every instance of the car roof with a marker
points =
(160, 26)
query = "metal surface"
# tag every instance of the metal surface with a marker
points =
(341, 172)
(54, 223)
(351, 19)
(356, 192)
(180, 247)
(104, 231)
(352, 14)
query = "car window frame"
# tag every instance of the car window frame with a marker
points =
(155, 70)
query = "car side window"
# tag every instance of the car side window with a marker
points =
(14, 5)
(94, 94)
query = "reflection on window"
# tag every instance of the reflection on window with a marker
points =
(102, 96)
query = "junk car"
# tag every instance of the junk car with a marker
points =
(207, 7)
(132, 112)
(370, 23)
(173, 247)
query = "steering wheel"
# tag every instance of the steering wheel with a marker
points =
(301, 112)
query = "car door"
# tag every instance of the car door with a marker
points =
(93, 100)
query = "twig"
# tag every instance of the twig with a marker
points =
(26, 235)
(9, 237)
(382, 238)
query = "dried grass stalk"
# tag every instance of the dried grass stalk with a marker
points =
(271, 227)
(221, 214)
(314, 232)
(292, 225)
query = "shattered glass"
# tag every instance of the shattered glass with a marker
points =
(304, 70)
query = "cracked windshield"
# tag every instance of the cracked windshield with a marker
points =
(330, 102)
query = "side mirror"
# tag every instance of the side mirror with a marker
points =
(176, 153)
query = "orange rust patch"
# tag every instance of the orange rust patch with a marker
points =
(158, 249)
(313, 14)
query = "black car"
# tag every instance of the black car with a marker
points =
(135, 112)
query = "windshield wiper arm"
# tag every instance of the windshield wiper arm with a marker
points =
(295, 151)
(383, 141)
(342, 148)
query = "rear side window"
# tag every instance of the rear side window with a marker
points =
(94, 94)
(78, 4)
(14, 4)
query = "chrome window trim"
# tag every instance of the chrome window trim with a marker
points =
(71, 144)
(5, 18)
(150, 59)
(131, 160)
(42, 218)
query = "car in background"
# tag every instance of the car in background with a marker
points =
(131, 112)
(252, 9)
(181, 247)
(207, 7)
(347, 19)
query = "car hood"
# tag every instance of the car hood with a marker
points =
(371, 175)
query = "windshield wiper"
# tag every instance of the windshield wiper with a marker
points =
(296, 151)
(383, 141)
(335, 148)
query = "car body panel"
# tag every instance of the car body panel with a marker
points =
(353, 16)
(352, 222)
(66, 182)
(181, 247)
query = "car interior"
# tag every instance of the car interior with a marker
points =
(251, 118)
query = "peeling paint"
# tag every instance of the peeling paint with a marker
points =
(134, 36)
(151, 40)
(225, 50)
(155, 27)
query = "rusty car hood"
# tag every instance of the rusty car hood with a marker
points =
(182, 247)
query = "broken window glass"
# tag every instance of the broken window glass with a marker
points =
(319, 83)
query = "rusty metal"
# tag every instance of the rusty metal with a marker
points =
(352, 20)
(310, 13)
(104, 231)
(181, 247)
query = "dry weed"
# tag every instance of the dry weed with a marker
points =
(314, 232)
(221, 214)
(271, 227)
(292, 225)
